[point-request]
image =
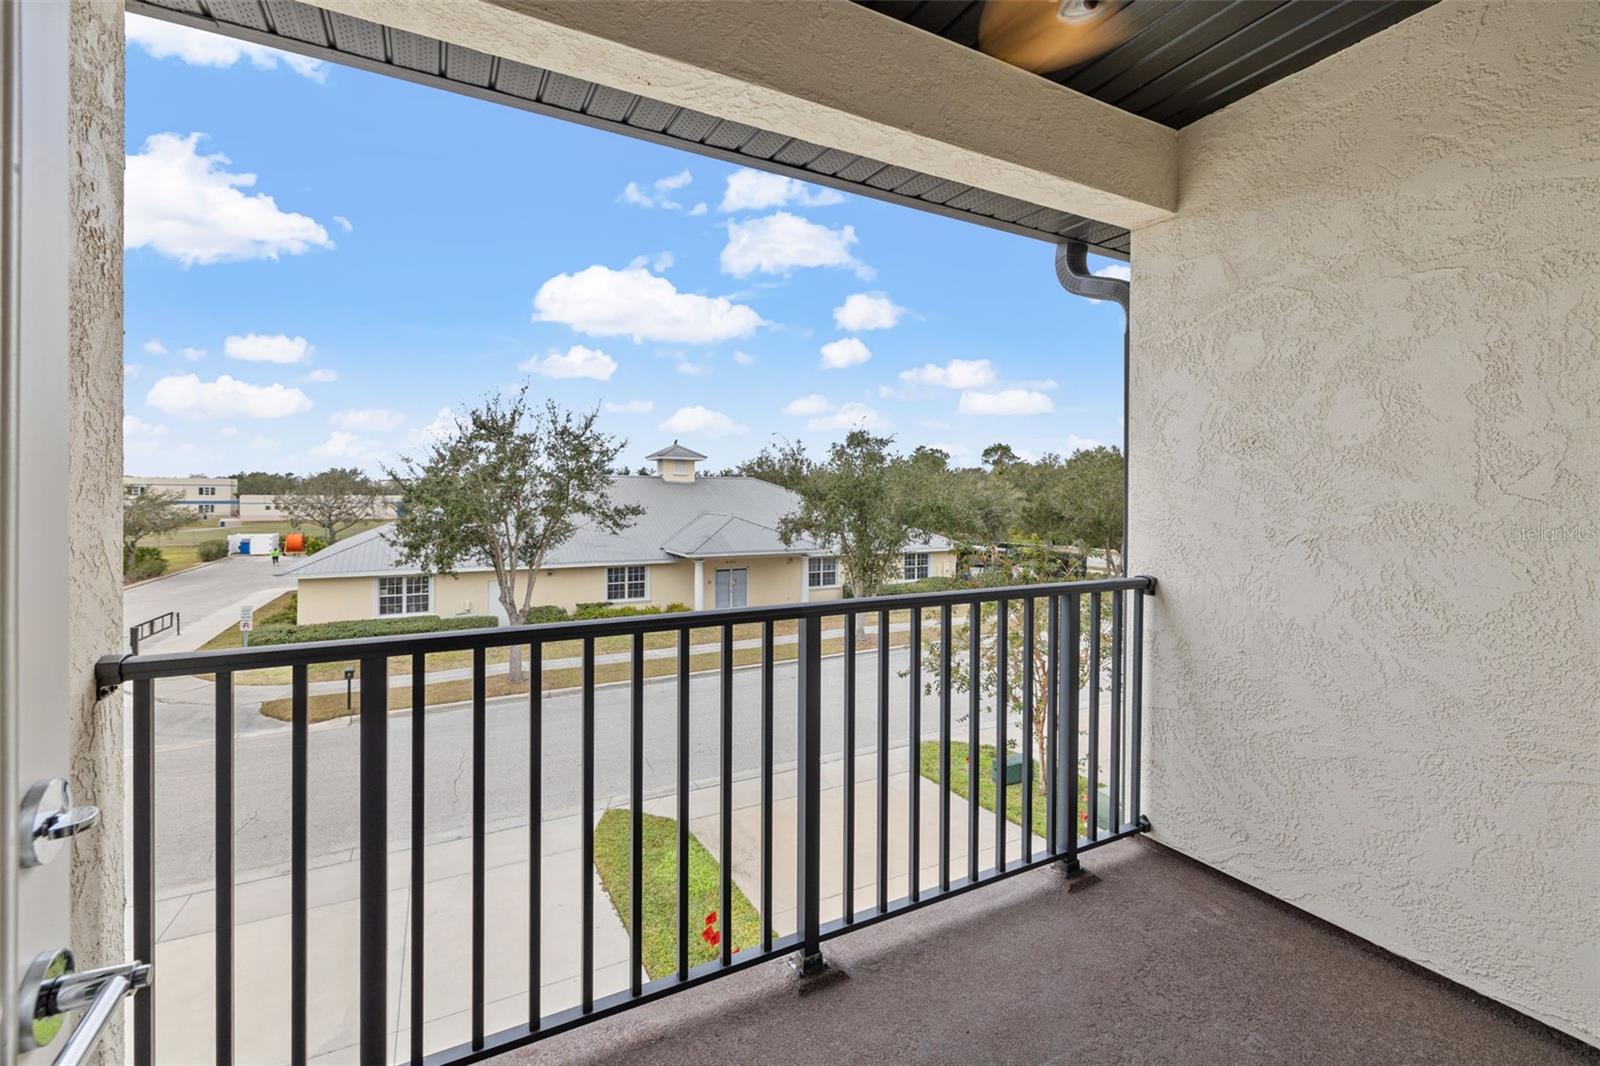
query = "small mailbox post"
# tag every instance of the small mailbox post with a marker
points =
(349, 680)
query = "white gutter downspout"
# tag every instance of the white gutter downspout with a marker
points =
(699, 585)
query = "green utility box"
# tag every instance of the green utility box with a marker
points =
(1013, 769)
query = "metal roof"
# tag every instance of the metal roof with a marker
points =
(676, 451)
(707, 517)
(1188, 58)
(340, 38)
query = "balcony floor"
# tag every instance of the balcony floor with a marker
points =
(1153, 959)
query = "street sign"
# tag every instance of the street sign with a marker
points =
(247, 618)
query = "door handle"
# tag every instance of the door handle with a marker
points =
(52, 987)
(48, 818)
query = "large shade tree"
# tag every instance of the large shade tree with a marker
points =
(512, 482)
(333, 501)
(149, 514)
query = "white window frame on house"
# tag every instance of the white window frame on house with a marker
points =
(822, 572)
(623, 579)
(914, 566)
(205, 508)
(413, 590)
(208, 490)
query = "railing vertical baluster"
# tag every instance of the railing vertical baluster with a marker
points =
(808, 752)
(1052, 708)
(298, 899)
(944, 748)
(586, 833)
(914, 767)
(374, 872)
(1116, 712)
(683, 804)
(636, 819)
(144, 863)
(883, 762)
(1002, 711)
(1136, 707)
(849, 767)
(419, 765)
(766, 785)
(1030, 642)
(1091, 795)
(725, 902)
(1073, 670)
(535, 831)
(480, 866)
(224, 848)
(974, 707)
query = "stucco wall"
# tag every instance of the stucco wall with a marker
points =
(94, 471)
(1364, 411)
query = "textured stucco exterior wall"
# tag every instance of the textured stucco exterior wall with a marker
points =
(94, 468)
(1365, 420)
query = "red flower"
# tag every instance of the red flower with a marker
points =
(711, 919)
(709, 934)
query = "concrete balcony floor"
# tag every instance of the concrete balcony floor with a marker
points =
(1148, 958)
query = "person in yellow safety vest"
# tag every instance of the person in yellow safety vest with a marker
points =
(276, 551)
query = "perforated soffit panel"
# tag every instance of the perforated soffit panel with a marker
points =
(313, 31)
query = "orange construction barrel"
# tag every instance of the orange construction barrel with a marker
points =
(294, 542)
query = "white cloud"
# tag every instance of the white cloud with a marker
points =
(601, 302)
(193, 355)
(661, 261)
(226, 397)
(629, 407)
(849, 416)
(812, 404)
(343, 445)
(743, 358)
(187, 207)
(442, 426)
(163, 40)
(575, 362)
(1006, 402)
(368, 419)
(131, 369)
(658, 193)
(698, 209)
(1115, 270)
(264, 348)
(849, 351)
(154, 347)
(322, 375)
(137, 430)
(956, 374)
(701, 421)
(1076, 443)
(691, 369)
(867, 310)
(778, 243)
(344, 223)
(757, 190)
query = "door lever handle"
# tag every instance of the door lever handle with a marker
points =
(48, 818)
(52, 987)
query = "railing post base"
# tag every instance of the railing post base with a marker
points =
(1144, 824)
(807, 965)
(1070, 867)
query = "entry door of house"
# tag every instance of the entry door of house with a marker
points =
(731, 587)
(36, 680)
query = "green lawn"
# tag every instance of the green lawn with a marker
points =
(180, 547)
(280, 611)
(612, 847)
(986, 783)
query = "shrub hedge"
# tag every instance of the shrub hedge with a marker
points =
(147, 563)
(210, 551)
(360, 628)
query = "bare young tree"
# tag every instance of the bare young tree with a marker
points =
(333, 500)
(147, 515)
(512, 483)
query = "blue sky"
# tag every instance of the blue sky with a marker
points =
(323, 264)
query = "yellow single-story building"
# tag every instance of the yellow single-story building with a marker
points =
(700, 541)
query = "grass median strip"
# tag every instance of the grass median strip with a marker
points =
(659, 878)
(960, 783)
(325, 706)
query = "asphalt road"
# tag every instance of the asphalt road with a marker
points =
(208, 597)
(185, 781)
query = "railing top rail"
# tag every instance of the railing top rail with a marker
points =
(113, 670)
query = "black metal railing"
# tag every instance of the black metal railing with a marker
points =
(151, 626)
(1056, 636)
